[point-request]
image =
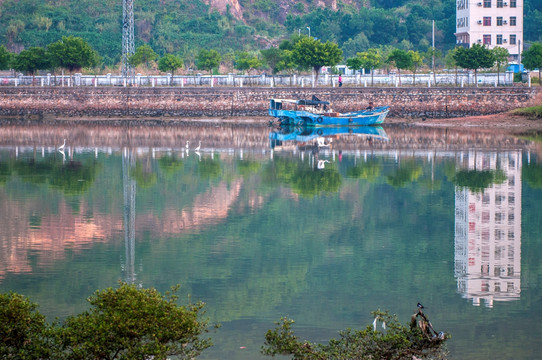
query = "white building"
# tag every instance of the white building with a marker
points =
(488, 232)
(491, 23)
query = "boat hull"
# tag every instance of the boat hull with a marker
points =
(306, 118)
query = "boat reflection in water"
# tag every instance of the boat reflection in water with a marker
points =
(288, 137)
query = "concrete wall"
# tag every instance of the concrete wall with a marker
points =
(252, 102)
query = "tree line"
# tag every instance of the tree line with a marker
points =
(297, 54)
(184, 27)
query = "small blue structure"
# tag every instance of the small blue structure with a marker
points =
(515, 68)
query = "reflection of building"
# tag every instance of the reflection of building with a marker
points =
(488, 232)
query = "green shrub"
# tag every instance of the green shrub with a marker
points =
(394, 341)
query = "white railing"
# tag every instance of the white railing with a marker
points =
(462, 79)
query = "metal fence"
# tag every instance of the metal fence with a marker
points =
(463, 78)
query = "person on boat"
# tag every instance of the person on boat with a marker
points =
(370, 107)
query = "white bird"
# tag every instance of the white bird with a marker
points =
(198, 147)
(61, 147)
(187, 144)
(321, 141)
(63, 155)
(322, 164)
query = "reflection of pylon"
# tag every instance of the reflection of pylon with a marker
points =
(128, 47)
(129, 187)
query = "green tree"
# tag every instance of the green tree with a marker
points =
(272, 58)
(311, 53)
(449, 61)
(532, 59)
(501, 60)
(72, 53)
(401, 59)
(244, 61)
(143, 55)
(170, 62)
(430, 55)
(30, 61)
(354, 63)
(5, 58)
(287, 62)
(23, 329)
(371, 59)
(474, 58)
(134, 323)
(417, 61)
(208, 60)
(396, 342)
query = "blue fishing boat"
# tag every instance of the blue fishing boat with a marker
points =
(315, 112)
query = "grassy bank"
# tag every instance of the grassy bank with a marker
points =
(534, 112)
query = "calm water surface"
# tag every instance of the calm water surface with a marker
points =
(260, 224)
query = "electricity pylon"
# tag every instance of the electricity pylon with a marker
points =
(128, 47)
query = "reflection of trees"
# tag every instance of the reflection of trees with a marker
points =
(72, 178)
(143, 175)
(307, 182)
(209, 169)
(532, 173)
(170, 164)
(304, 180)
(369, 170)
(408, 172)
(75, 177)
(247, 167)
(5, 172)
(478, 181)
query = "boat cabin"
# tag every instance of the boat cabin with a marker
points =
(313, 106)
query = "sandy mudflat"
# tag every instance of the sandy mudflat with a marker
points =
(503, 122)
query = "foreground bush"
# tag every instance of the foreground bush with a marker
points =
(123, 323)
(24, 333)
(393, 341)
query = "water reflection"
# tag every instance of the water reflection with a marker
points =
(291, 137)
(488, 229)
(324, 234)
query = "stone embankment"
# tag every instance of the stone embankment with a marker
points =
(149, 102)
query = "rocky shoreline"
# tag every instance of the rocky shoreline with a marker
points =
(44, 103)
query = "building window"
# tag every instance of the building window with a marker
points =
(499, 20)
(487, 39)
(487, 20)
(513, 3)
(512, 39)
(487, 3)
(499, 39)
(512, 21)
(500, 3)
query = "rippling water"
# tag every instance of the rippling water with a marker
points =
(261, 223)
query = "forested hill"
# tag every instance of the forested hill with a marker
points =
(183, 27)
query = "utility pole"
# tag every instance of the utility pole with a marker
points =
(128, 47)
(433, 55)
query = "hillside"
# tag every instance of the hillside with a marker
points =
(183, 27)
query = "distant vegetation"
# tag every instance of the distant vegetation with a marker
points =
(184, 27)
